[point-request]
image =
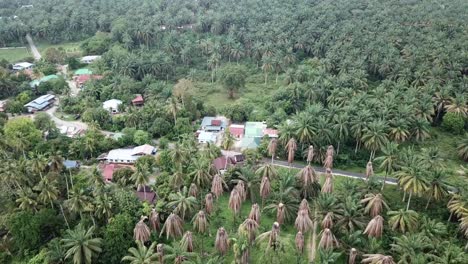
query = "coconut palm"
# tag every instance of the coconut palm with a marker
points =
(182, 203)
(48, 191)
(351, 217)
(249, 228)
(374, 136)
(327, 186)
(266, 170)
(413, 180)
(272, 236)
(374, 204)
(209, 203)
(265, 189)
(403, 220)
(299, 242)
(375, 227)
(173, 227)
(200, 172)
(81, 245)
(222, 241)
(154, 221)
(177, 254)
(328, 162)
(187, 242)
(352, 256)
(27, 200)
(272, 146)
(141, 232)
(235, 202)
(140, 178)
(217, 185)
(291, 148)
(141, 254)
(303, 222)
(328, 240)
(438, 185)
(412, 248)
(462, 148)
(389, 159)
(255, 213)
(377, 259)
(79, 202)
(369, 170)
(241, 190)
(193, 190)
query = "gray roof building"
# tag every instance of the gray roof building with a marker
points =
(40, 103)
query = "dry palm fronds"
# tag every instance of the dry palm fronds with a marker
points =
(303, 222)
(249, 227)
(374, 204)
(369, 170)
(328, 162)
(141, 232)
(377, 259)
(299, 241)
(307, 175)
(255, 213)
(160, 252)
(375, 227)
(193, 190)
(173, 227)
(280, 213)
(265, 187)
(154, 222)
(209, 203)
(304, 205)
(187, 241)
(200, 223)
(327, 221)
(330, 151)
(291, 147)
(235, 201)
(352, 256)
(222, 242)
(328, 184)
(217, 186)
(328, 240)
(310, 154)
(272, 146)
(241, 189)
(274, 235)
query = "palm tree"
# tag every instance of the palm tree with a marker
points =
(140, 178)
(81, 245)
(141, 254)
(27, 200)
(462, 148)
(187, 242)
(375, 227)
(303, 222)
(374, 204)
(328, 240)
(177, 254)
(241, 189)
(412, 248)
(177, 178)
(403, 220)
(266, 170)
(272, 145)
(328, 184)
(328, 256)
(240, 247)
(272, 236)
(377, 259)
(389, 159)
(255, 213)
(200, 172)
(299, 242)
(193, 190)
(48, 191)
(291, 148)
(369, 170)
(438, 186)
(328, 162)
(200, 224)
(351, 217)
(250, 180)
(173, 227)
(352, 256)
(374, 137)
(79, 202)
(217, 185)
(249, 228)
(141, 232)
(154, 221)
(182, 202)
(222, 241)
(265, 189)
(103, 207)
(235, 202)
(160, 253)
(413, 180)
(307, 177)
(209, 203)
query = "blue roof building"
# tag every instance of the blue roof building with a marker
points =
(213, 124)
(40, 103)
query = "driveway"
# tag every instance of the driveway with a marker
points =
(33, 48)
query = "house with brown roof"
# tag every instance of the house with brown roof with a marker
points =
(138, 101)
(237, 130)
(145, 194)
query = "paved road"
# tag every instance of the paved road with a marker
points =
(35, 52)
(348, 174)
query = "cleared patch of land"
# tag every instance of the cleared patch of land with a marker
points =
(69, 47)
(14, 54)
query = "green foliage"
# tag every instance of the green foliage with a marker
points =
(237, 112)
(233, 78)
(43, 122)
(126, 202)
(141, 137)
(98, 115)
(453, 123)
(21, 133)
(117, 238)
(55, 56)
(97, 44)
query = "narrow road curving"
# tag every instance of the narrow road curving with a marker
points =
(33, 48)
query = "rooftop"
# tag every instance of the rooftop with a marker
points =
(23, 65)
(237, 130)
(138, 99)
(41, 102)
(90, 58)
(250, 142)
(212, 122)
(43, 79)
(71, 164)
(111, 104)
(83, 71)
(207, 136)
(130, 155)
(254, 129)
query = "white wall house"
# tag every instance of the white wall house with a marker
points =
(112, 105)
(90, 59)
(20, 66)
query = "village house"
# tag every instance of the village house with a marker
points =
(138, 101)
(236, 130)
(213, 124)
(207, 137)
(71, 164)
(80, 80)
(112, 105)
(40, 103)
(90, 59)
(270, 132)
(145, 194)
(71, 131)
(47, 78)
(21, 66)
(128, 155)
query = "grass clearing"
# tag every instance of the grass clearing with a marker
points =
(14, 54)
(69, 47)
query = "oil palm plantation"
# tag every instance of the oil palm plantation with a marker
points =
(251, 181)
(438, 186)
(375, 204)
(374, 137)
(462, 148)
(81, 245)
(141, 232)
(141, 254)
(173, 227)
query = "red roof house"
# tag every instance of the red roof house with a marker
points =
(82, 79)
(138, 101)
(145, 194)
(270, 132)
(237, 130)
(216, 122)
(108, 172)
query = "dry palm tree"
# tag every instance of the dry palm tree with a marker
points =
(274, 235)
(209, 203)
(303, 222)
(327, 221)
(374, 204)
(310, 154)
(375, 227)
(217, 186)
(328, 162)
(369, 170)
(328, 184)
(280, 213)
(330, 151)
(328, 240)
(352, 256)
(299, 241)
(193, 190)
(187, 241)
(377, 259)
(255, 213)
(235, 201)
(154, 222)
(240, 186)
(141, 232)
(291, 147)
(272, 146)
(200, 223)
(304, 205)
(249, 227)
(222, 241)
(307, 175)
(265, 189)
(173, 227)
(160, 252)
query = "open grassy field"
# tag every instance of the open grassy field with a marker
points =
(69, 47)
(14, 54)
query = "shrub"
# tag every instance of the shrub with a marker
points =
(453, 123)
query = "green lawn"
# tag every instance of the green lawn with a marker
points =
(69, 47)
(14, 55)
